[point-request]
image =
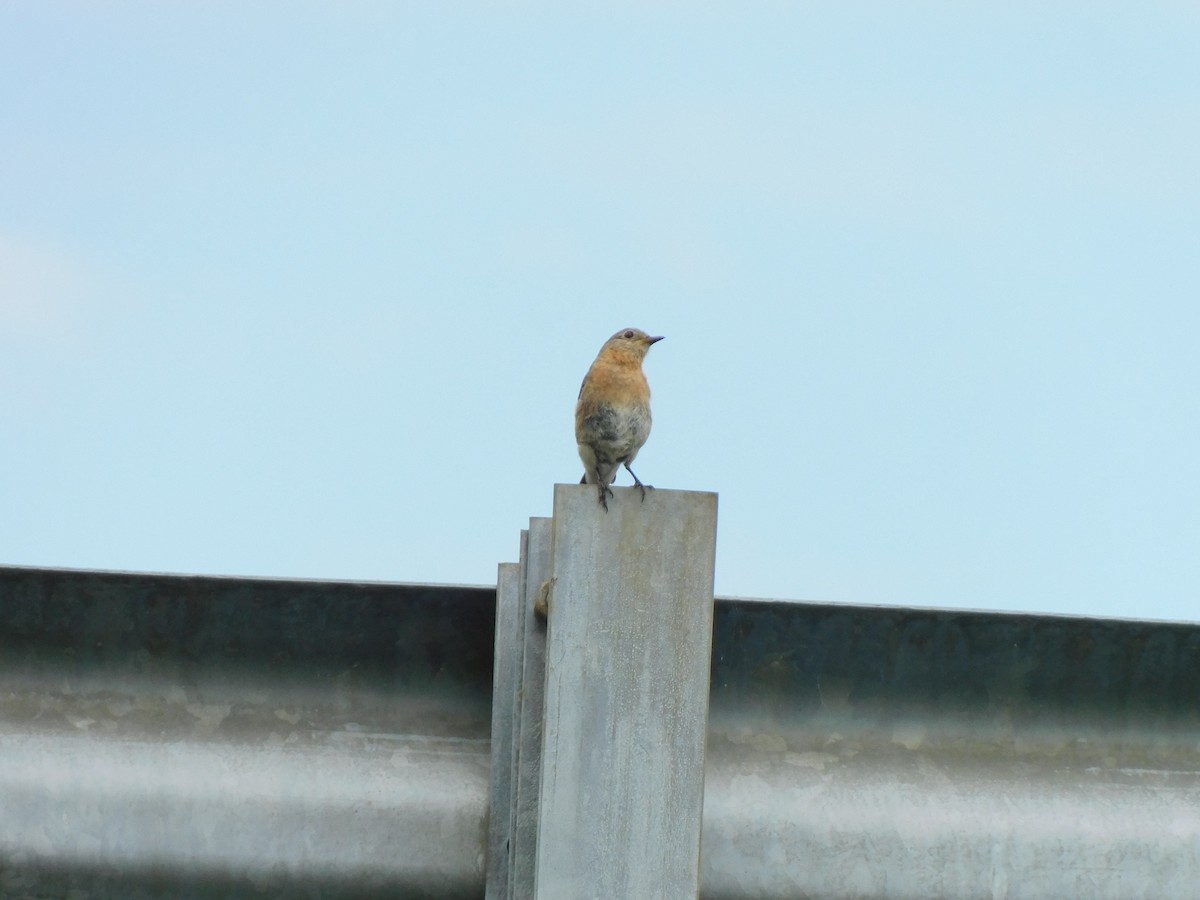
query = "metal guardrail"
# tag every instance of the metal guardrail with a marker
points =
(177, 736)
(167, 736)
(916, 753)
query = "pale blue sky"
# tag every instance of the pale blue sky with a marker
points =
(307, 289)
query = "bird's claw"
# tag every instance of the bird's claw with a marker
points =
(605, 493)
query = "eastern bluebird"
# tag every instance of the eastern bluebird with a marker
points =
(612, 416)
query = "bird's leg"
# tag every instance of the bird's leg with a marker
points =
(604, 489)
(644, 487)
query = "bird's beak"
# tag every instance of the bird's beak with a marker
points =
(653, 340)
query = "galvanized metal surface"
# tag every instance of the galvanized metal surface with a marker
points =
(166, 736)
(626, 700)
(506, 681)
(537, 568)
(914, 754)
(519, 680)
(172, 736)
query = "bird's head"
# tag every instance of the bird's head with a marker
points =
(632, 341)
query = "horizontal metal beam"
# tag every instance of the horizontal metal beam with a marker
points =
(921, 753)
(167, 736)
(184, 736)
(360, 813)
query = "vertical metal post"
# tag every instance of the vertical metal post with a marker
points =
(506, 686)
(626, 695)
(529, 728)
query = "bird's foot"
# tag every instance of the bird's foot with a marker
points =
(605, 493)
(637, 481)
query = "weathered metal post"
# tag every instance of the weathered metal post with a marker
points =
(506, 686)
(626, 695)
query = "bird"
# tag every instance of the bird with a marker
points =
(612, 414)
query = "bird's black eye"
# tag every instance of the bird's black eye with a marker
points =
(628, 335)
